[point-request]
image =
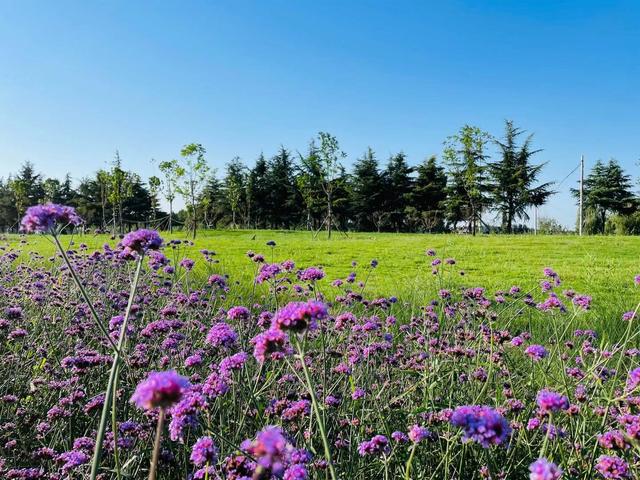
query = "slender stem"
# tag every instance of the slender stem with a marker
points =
(83, 292)
(156, 447)
(611, 392)
(114, 425)
(113, 375)
(316, 410)
(407, 469)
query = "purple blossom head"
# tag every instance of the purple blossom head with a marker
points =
(159, 389)
(187, 264)
(549, 401)
(300, 316)
(536, 352)
(481, 424)
(400, 437)
(238, 313)
(140, 241)
(268, 271)
(221, 335)
(295, 472)
(633, 380)
(311, 274)
(418, 433)
(582, 301)
(550, 303)
(378, 445)
(44, 218)
(543, 469)
(271, 450)
(72, 459)
(204, 451)
(358, 393)
(628, 316)
(612, 467)
(613, 440)
(272, 344)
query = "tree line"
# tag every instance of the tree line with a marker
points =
(466, 191)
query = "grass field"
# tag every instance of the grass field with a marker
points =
(600, 266)
(486, 384)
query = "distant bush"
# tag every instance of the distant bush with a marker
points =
(623, 224)
(550, 226)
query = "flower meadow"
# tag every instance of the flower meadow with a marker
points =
(129, 362)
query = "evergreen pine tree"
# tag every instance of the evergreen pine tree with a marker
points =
(367, 192)
(397, 187)
(513, 178)
(429, 194)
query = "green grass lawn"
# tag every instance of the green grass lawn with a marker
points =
(602, 267)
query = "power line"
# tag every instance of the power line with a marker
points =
(569, 174)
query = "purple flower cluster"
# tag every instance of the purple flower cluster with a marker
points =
(417, 434)
(549, 402)
(159, 389)
(543, 469)
(45, 218)
(274, 454)
(481, 424)
(536, 352)
(204, 451)
(271, 345)
(378, 445)
(140, 241)
(612, 467)
(300, 316)
(311, 274)
(221, 335)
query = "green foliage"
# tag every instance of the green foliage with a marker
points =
(191, 174)
(513, 179)
(550, 226)
(465, 154)
(607, 190)
(367, 193)
(428, 196)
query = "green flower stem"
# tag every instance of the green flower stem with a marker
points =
(407, 469)
(316, 410)
(83, 292)
(156, 447)
(611, 395)
(113, 375)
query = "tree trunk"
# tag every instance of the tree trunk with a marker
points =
(170, 216)
(329, 216)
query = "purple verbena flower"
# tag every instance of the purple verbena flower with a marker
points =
(418, 433)
(536, 352)
(543, 469)
(140, 241)
(44, 218)
(221, 335)
(204, 451)
(549, 401)
(159, 389)
(612, 467)
(300, 316)
(378, 445)
(481, 424)
(272, 344)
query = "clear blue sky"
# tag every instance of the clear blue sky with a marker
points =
(79, 80)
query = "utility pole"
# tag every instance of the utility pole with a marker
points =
(535, 220)
(581, 194)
